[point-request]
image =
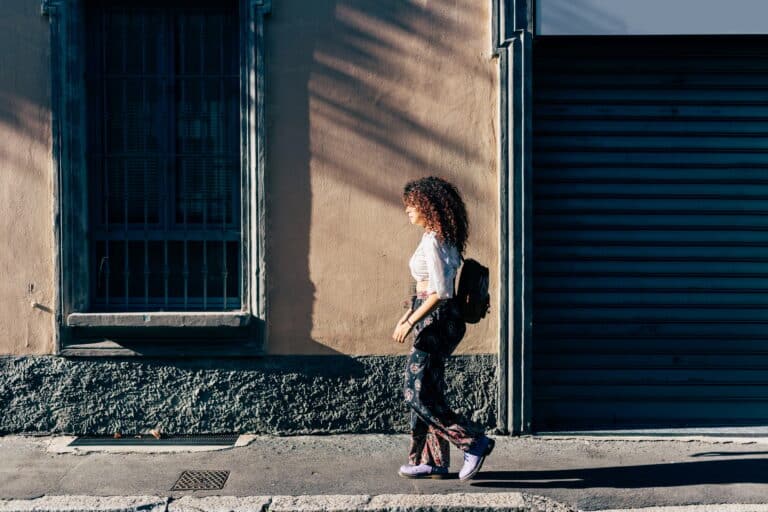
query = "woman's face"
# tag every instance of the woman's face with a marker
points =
(415, 216)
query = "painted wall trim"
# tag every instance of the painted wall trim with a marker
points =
(255, 133)
(70, 189)
(505, 262)
(160, 319)
(515, 29)
(67, 133)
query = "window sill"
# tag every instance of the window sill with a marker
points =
(153, 348)
(160, 319)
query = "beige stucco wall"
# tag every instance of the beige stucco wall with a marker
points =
(363, 95)
(26, 228)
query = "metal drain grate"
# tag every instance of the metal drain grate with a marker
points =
(203, 480)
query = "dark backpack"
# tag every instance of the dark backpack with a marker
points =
(472, 296)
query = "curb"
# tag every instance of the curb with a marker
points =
(87, 503)
(732, 507)
(458, 502)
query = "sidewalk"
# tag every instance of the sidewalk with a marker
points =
(350, 472)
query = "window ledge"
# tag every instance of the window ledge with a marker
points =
(160, 319)
(152, 348)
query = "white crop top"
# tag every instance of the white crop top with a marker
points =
(436, 262)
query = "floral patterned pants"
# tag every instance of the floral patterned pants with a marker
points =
(434, 426)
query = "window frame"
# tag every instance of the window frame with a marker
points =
(82, 332)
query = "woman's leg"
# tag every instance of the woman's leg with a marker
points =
(418, 439)
(429, 454)
(437, 450)
(424, 393)
(426, 446)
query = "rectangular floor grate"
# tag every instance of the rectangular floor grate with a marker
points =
(201, 480)
(148, 440)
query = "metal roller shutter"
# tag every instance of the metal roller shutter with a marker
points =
(650, 232)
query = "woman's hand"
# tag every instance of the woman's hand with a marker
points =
(401, 331)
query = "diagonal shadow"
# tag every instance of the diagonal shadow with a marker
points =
(738, 471)
(363, 96)
(728, 454)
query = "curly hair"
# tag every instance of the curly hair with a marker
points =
(443, 208)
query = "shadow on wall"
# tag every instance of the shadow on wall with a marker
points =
(24, 103)
(25, 180)
(575, 17)
(363, 96)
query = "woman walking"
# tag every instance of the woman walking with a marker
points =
(435, 319)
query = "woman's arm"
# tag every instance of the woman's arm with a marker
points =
(406, 322)
(426, 308)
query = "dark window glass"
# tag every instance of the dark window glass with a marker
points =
(164, 155)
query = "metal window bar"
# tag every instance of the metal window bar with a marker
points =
(206, 131)
(147, 271)
(124, 102)
(126, 268)
(230, 235)
(185, 210)
(182, 67)
(145, 112)
(179, 25)
(224, 112)
(107, 270)
(214, 174)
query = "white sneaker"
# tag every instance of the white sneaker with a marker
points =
(474, 457)
(422, 471)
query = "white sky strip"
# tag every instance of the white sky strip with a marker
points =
(651, 17)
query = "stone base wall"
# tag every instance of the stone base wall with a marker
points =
(271, 395)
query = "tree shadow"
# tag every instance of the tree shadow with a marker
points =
(361, 97)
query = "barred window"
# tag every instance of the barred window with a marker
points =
(163, 155)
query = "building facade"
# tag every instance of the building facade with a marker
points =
(203, 220)
(203, 228)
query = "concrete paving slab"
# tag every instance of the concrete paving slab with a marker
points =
(452, 502)
(457, 502)
(87, 504)
(220, 504)
(327, 503)
(723, 507)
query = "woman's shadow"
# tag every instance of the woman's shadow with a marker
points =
(731, 471)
